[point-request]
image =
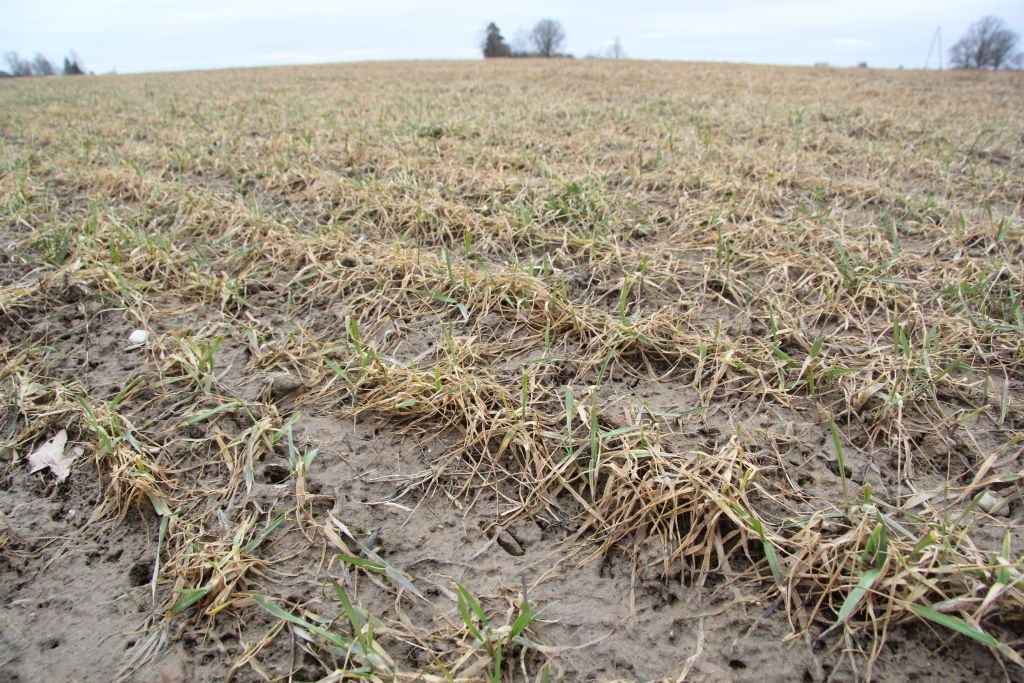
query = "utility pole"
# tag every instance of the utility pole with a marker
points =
(936, 38)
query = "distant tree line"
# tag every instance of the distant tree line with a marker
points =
(988, 44)
(41, 66)
(545, 40)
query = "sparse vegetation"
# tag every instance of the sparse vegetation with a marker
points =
(518, 370)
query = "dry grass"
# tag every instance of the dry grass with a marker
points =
(824, 266)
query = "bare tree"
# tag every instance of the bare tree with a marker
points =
(988, 44)
(17, 65)
(41, 66)
(615, 50)
(521, 43)
(547, 37)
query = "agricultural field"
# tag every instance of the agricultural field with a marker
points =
(516, 370)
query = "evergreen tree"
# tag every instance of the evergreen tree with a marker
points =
(494, 44)
(72, 67)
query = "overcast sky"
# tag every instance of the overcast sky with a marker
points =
(161, 35)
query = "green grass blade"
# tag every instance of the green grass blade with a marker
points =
(255, 542)
(853, 600)
(963, 628)
(468, 606)
(280, 613)
(212, 412)
(362, 563)
(188, 597)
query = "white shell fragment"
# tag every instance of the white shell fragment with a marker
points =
(994, 505)
(51, 454)
(138, 337)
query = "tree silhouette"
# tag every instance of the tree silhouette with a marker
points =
(615, 50)
(547, 37)
(41, 66)
(17, 65)
(73, 65)
(494, 44)
(988, 44)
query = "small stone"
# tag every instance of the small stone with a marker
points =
(284, 383)
(138, 337)
(527, 532)
(510, 544)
